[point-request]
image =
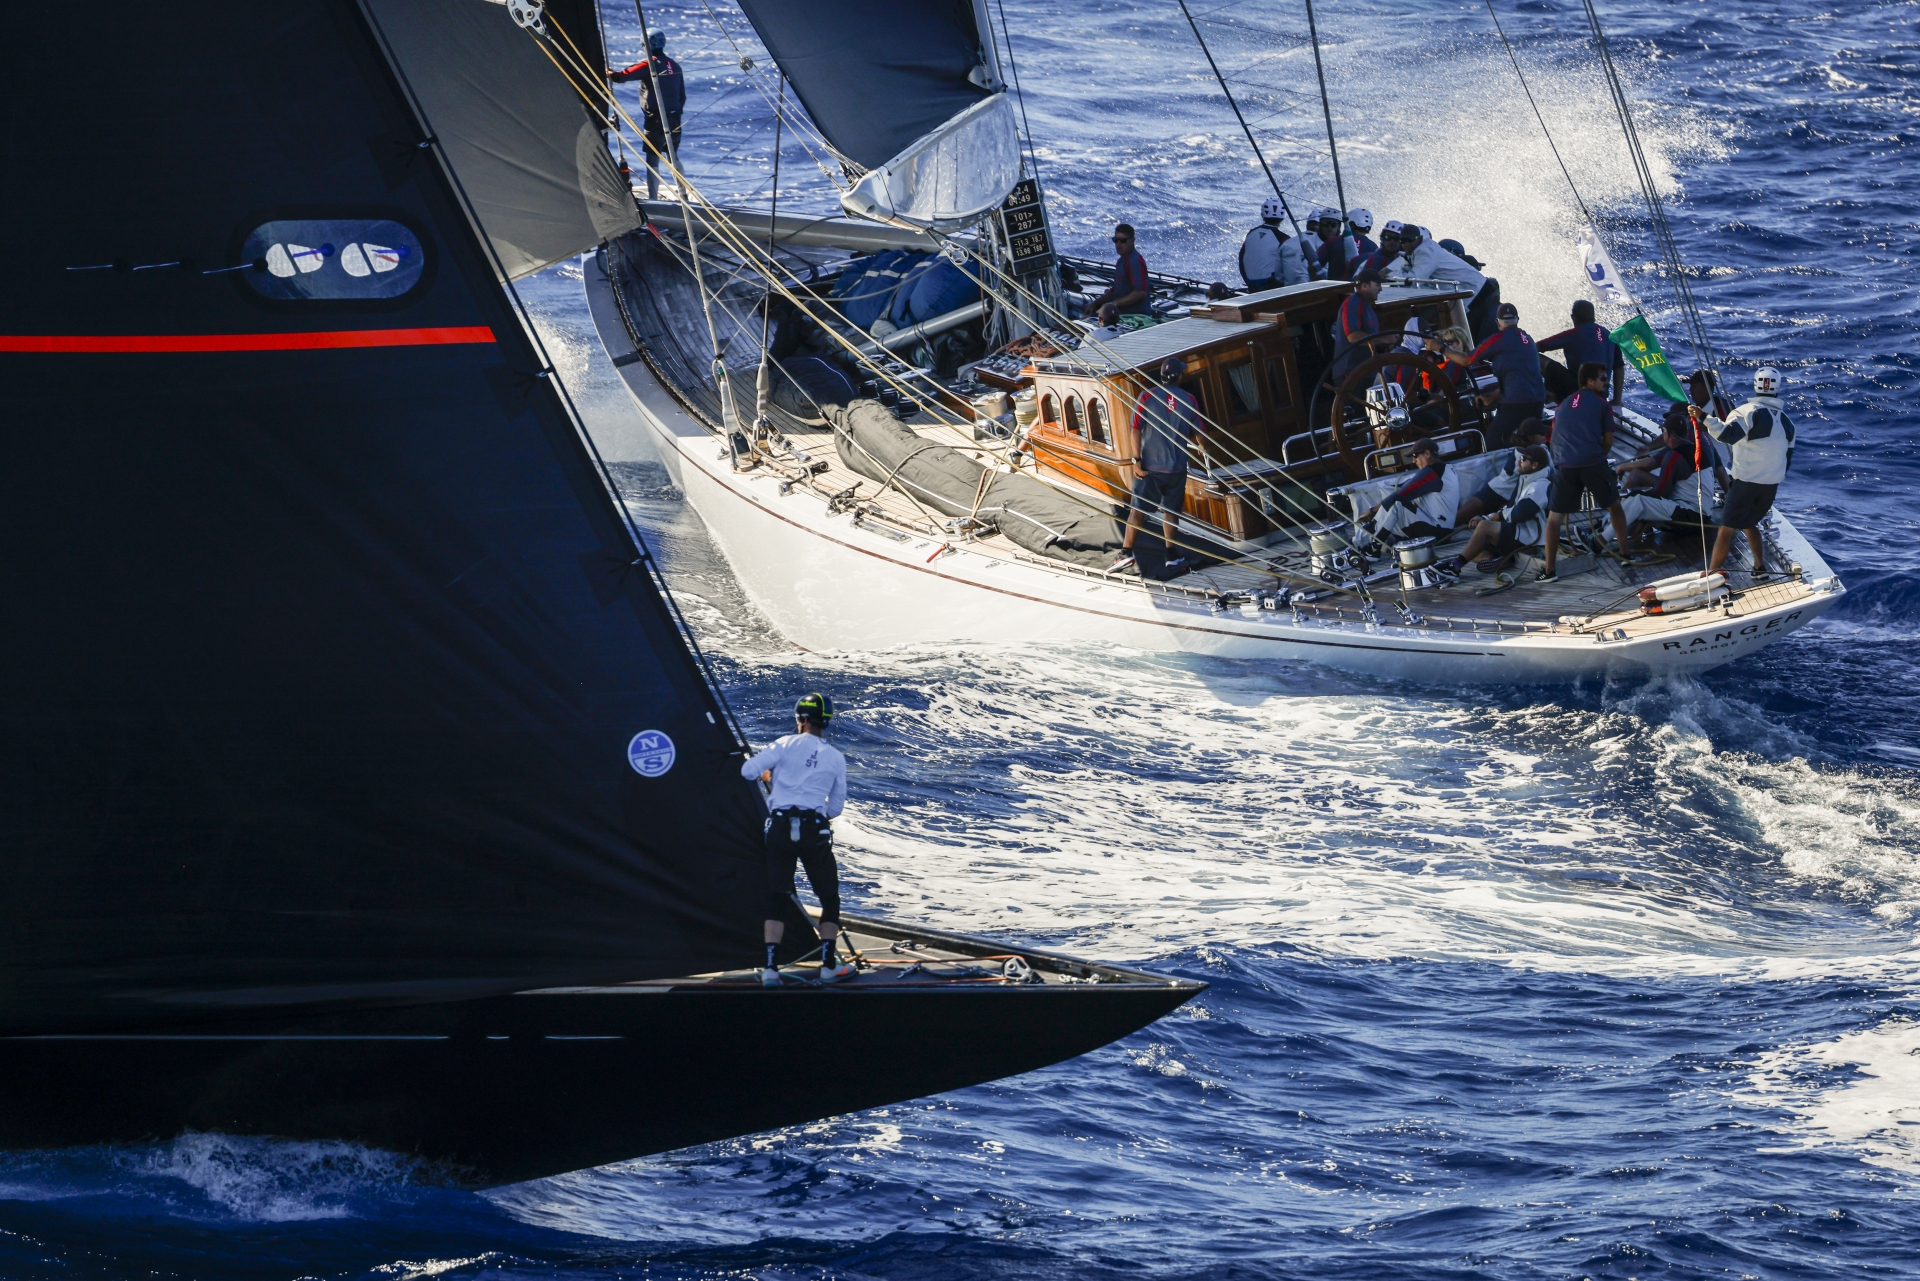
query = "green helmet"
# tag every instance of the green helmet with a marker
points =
(816, 707)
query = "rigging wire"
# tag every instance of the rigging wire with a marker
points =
(1026, 130)
(1326, 109)
(724, 229)
(1544, 131)
(1251, 141)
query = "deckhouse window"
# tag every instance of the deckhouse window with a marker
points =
(1097, 421)
(1243, 390)
(1050, 409)
(1076, 417)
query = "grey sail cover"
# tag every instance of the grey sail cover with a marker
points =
(875, 75)
(518, 135)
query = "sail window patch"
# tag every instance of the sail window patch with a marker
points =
(343, 259)
(650, 753)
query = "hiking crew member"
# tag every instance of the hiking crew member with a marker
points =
(1129, 291)
(1419, 507)
(1761, 437)
(809, 778)
(1269, 257)
(1355, 325)
(663, 96)
(1652, 482)
(1523, 392)
(1355, 247)
(1503, 485)
(1585, 343)
(1582, 435)
(1166, 420)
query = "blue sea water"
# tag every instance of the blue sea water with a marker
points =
(1617, 981)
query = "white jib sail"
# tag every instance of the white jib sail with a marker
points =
(948, 178)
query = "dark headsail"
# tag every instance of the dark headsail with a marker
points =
(330, 672)
(876, 74)
(528, 154)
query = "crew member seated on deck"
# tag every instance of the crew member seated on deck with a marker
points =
(1514, 357)
(1500, 488)
(1519, 522)
(1761, 437)
(1420, 507)
(809, 778)
(1166, 419)
(663, 97)
(1582, 436)
(1130, 290)
(1655, 495)
(1587, 342)
(1269, 257)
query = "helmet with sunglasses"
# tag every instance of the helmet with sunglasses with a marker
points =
(815, 709)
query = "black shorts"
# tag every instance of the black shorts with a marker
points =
(1571, 482)
(1490, 500)
(1509, 535)
(814, 851)
(1747, 504)
(1161, 493)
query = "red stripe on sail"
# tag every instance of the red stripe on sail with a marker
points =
(245, 342)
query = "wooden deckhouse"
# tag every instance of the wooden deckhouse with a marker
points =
(1245, 360)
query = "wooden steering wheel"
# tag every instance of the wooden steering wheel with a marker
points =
(1362, 374)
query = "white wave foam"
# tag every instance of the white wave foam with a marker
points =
(1873, 1110)
(272, 1180)
(1150, 804)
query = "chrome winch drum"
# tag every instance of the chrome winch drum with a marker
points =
(1415, 557)
(1330, 551)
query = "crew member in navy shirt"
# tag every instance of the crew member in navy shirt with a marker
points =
(1582, 434)
(1166, 426)
(1585, 343)
(1129, 291)
(1355, 325)
(1523, 393)
(663, 97)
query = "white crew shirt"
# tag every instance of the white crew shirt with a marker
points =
(809, 773)
(1429, 261)
(1760, 435)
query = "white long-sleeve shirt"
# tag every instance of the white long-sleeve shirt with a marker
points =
(1265, 256)
(809, 773)
(1761, 437)
(1429, 261)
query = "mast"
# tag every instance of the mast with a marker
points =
(1326, 109)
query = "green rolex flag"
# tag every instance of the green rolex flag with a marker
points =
(1643, 353)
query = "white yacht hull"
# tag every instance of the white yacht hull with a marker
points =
(829, 584)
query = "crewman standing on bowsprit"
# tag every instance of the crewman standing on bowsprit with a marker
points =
(809, 778)
(663, 96)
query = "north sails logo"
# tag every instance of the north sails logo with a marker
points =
(650, 753)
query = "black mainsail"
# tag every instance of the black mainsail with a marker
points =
(360, 781)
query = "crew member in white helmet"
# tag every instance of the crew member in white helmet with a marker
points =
(1760, 435)
(1269, 257)
(809, 778)
(1356, 246)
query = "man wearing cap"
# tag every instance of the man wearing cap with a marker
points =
(663, 96)
(808, 776)
(1420, 507)
(1355, 326)
(1269, 257)
(1166, 419)
(1585, 343)
(1514, 357)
